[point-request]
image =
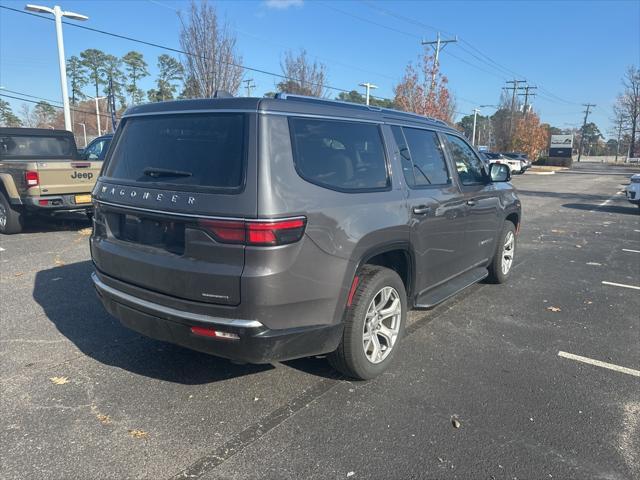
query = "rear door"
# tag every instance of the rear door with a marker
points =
(169, 182)
(481, 199)
(436, 207)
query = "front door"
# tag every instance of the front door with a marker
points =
(481, 198)
(436, 207)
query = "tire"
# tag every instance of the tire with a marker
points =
(11, 219)
(506, 248)
(351, 358)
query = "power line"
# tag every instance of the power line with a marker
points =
(41, 99)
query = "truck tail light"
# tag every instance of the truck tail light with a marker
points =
(258, 233)
(210, 332)
(32, 179)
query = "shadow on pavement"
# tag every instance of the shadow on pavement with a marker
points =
(67, 297)
(630, 210)
(565, 195)
(62, 222)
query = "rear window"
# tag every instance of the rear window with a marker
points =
(181, 151)
(36, 146)
(343, 156)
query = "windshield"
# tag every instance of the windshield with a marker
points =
(37, 146)
(185, 150)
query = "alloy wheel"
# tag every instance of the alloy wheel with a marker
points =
(382, 324)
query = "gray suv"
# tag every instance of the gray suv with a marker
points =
(268, 229)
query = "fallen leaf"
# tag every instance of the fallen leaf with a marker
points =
(103, 419)
(18, 274)
(135, 433)
(554, 309)
(85, 232)
(351, 474)
(58, 262)
(578, 246)
(455, 422)
(59, 380)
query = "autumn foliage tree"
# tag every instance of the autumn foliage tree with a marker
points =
(530, 136)
(417, 93)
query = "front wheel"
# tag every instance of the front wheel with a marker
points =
(373, 324)
(500, 267)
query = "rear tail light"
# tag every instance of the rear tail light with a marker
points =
(259, 233)
(32, 179)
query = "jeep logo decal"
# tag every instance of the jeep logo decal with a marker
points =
(82, 175)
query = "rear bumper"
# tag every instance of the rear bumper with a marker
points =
(56, 202)
(255, 344)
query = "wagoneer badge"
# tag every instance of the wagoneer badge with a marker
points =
(158, 197)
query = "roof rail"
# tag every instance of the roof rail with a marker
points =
(306, 98)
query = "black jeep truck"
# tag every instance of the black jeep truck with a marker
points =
(269, 229)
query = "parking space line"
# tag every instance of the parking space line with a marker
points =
(636, 230)
(598, 363)
(621, 285)
(629, 250)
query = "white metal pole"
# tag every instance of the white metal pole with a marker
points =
(84, 132)
(98, 115)
(473, 135)
(57, 13)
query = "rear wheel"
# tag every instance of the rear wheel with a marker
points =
(11, 219)
(374, 324)
(500, 267)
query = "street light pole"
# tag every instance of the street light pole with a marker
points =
(97, 99)
(84, 132)
(369, 87)
(473, 135)
(58, 13)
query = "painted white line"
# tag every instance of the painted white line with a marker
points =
(598, 363)
(629, 250)
(638, 231)
(606, 202)
(621, 285)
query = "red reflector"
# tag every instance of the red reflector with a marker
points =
(43, 202)
(210, 332)
(31, 178)
(352, 292)
(203, 331)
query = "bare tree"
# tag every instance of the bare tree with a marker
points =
(629, 102)
(301, 76)
(212, 61)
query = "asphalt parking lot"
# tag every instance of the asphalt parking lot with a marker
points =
(487, 385)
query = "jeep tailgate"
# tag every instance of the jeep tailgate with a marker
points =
(57, 177)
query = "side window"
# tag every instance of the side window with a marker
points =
(429, 165)
(469, 166)
(94, 151)
(347, 156)
(405, 156)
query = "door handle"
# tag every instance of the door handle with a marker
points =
(471, 203)
(421, 209)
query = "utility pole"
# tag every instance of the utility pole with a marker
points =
(620, 122)
(526, 94)
(249, 85)
(584, 124)
(437, 45)
(514, 90)
(369, 87)
(58, 13)
(473, 135)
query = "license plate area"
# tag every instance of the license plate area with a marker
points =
(83, 198)
(142, 230)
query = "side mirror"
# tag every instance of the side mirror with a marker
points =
(499, 172)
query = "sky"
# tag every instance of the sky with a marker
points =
(575, 52)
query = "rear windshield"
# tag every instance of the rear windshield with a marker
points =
(186, 150)
(35, 146)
